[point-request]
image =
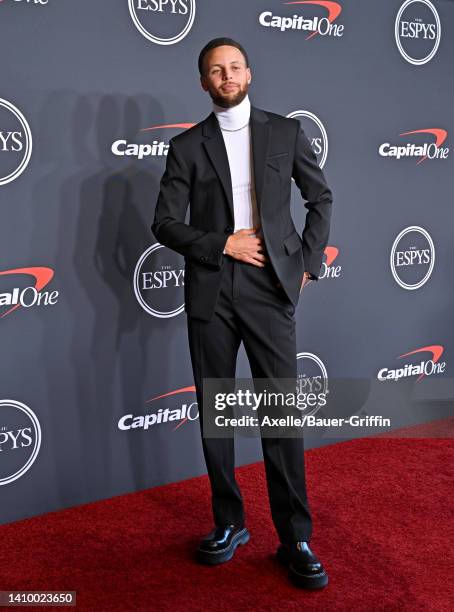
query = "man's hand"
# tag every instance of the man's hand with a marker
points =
(245, 246)
(306, 280)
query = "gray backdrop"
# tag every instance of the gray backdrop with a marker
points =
(75, 224)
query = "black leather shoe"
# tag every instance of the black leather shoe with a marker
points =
(304, 568)
(220, 544)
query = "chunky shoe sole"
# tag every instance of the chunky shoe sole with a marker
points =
(304, 581)
(221, 556)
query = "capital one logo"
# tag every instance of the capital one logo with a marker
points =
(159, 282)
(417, 31)
(144, 148)
(20, 440)
(315, 132)
(425, 150)
(412, 257)
(429, 365)
(329, 267)
(25, 296)
(291, 18)
(15, 142)
(187, 411)
(164, 22)
(312, 382)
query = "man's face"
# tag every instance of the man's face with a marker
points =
(225, 76)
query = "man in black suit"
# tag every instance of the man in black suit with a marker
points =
(245, 267)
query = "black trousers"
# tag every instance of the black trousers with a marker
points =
(252, 307)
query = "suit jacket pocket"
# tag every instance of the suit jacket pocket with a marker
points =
(273, 155)
(275, 160)
(292, 243)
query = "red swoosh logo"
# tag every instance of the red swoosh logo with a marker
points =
(440, 137)
(190, 389)
(435, 349)
(331, 254)
(42, 277)
(334, 10)
(181, 390)
(183, 126)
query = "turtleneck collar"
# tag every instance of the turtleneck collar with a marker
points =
(235, 117)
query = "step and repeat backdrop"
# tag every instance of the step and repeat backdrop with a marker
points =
(96, 386)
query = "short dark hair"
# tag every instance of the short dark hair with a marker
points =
(218, 42)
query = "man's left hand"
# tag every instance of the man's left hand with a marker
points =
(306, 280)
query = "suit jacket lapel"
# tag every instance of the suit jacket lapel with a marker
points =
(215, 148)
(260, 136)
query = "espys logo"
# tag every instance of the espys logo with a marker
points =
(164, 22)
(426, 367)
(431, 150)
(15, 142)
(328, 269)
(30, 295)
(417, 31)
(323, 25)
(159, 282)
(312, 380)
(140, 150)
(184, 413)
(412, 257)
(315, 131)
(20, 440)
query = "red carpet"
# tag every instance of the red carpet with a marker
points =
(383, 528)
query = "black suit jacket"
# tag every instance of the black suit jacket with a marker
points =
(197, 173)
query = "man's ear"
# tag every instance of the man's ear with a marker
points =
(202, 83)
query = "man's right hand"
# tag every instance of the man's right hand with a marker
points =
(244, 247)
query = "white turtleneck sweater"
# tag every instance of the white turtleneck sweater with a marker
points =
(235, 128)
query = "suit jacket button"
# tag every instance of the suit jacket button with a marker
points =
(228, 229)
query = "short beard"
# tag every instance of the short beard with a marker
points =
(232, 102)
